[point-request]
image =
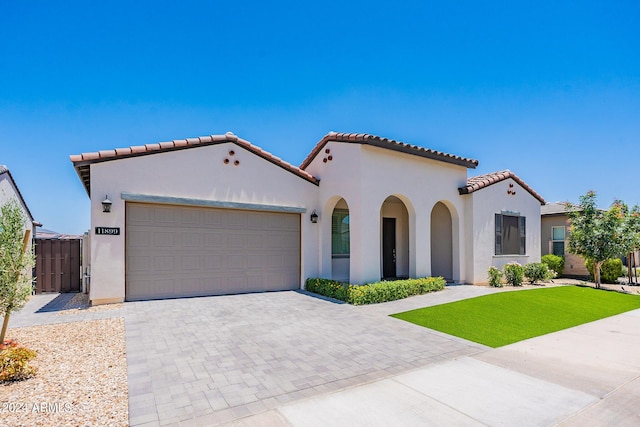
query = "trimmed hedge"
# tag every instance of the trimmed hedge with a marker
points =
(372, 293)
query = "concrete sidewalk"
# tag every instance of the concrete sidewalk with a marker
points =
(583, 376)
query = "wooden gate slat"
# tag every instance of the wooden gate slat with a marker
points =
(58, 265)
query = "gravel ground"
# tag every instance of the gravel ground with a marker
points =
(81, 379)
(80, 304)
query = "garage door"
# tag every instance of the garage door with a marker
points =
(177, 251)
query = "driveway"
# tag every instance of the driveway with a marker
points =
(292, 359)
(206, 361)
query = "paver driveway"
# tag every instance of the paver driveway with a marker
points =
(215, 359)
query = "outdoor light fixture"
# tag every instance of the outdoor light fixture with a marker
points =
(106, 204)
(314, 217)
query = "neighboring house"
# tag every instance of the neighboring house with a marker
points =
(554, 225)
(217, 215)
(9, 190)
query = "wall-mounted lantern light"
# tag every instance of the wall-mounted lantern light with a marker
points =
(314, 217)
(106, 204)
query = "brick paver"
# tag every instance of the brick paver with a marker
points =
(216, 359)
(208, 361)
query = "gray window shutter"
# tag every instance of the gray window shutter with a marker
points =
(523, 235)
(498, 234)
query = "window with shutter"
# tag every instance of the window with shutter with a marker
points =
(510, 235)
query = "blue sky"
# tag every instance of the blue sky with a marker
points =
(550, 90)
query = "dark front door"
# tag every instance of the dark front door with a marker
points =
(388, 247)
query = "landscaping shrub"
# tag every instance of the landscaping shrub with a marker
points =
(372, 293)
(495, 277)
(538, 272)
(328, 288)
(554, 262)
(14, 362)
(514, 273)
(610, 270)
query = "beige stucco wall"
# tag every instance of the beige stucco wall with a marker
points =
(482, 206)
(197, 173)
(574, 265)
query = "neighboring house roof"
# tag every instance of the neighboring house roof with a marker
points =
(43, 233)
(389, 144)
(554, 208)
(5, 170)
(482, 181)
(82, 162)
(557, 208)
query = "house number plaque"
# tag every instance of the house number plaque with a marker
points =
(109, 231)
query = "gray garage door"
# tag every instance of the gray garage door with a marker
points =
(177, 251)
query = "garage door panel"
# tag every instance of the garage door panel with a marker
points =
(191, 239)
(138, 264)
(175, 251)
(163, 238)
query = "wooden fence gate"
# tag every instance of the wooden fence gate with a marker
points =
(58, 265)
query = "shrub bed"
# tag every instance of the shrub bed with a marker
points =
(14, 362)
(372, 293)
(538, 272)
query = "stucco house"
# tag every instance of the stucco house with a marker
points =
(217, 215)
(9, 190)
(554, 225)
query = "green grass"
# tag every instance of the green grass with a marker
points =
(507, 317)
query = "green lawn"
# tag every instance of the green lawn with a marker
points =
(507, 317)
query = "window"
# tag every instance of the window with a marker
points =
(511, 234)
(340, 233)
(557, 240)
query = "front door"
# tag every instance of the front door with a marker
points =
(388, 247)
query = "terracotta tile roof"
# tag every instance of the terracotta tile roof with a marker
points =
(481, 181)
(82, 162)
(4, 169)
(390, 144)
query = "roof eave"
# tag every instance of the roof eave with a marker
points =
(469, 189)
(376, 141)
(83, 166)
(24, 203)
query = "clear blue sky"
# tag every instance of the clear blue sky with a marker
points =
(550, 90)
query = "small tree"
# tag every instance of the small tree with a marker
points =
(595, 234)
(630, 235)
(15, 285)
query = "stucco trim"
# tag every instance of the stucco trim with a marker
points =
(168, 200)
(102, 301)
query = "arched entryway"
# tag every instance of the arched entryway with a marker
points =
(394, 239)
(340, 242)
(441, 242)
